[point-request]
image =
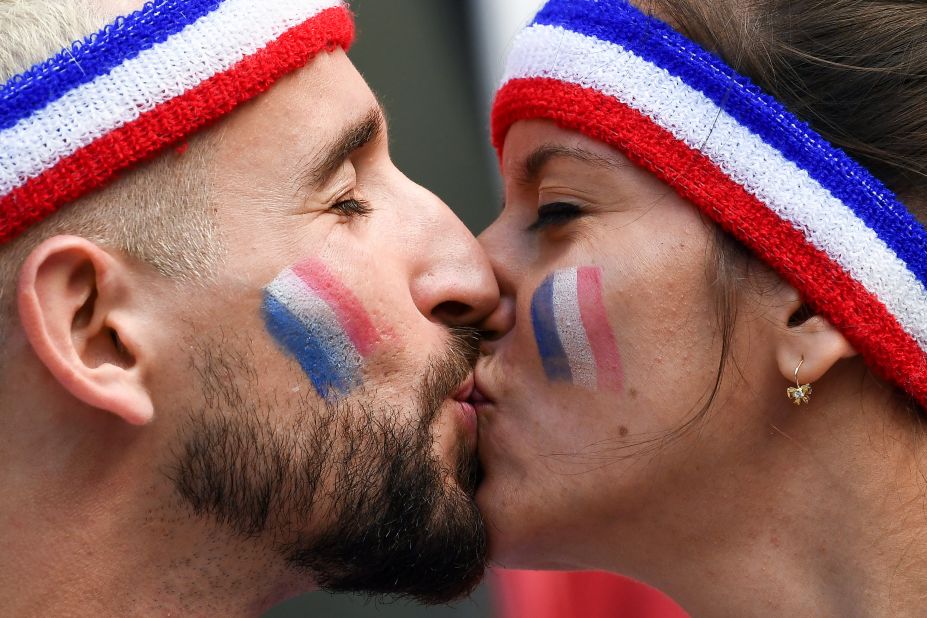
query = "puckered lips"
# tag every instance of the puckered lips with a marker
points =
(466, 410)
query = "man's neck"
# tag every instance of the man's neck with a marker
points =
(110, 552)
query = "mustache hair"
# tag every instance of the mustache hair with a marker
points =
(445, 374)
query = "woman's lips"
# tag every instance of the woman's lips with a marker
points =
(466, 413)
(478, 395)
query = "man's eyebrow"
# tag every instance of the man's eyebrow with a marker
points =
(354, 137)
(535, 162)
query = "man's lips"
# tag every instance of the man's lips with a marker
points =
(465, 391)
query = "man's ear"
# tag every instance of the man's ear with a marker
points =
(76, 307)
(805, 335)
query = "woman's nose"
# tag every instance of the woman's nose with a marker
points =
(500, 253)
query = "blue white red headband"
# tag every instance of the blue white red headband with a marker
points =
(831, 229)
(142, 83)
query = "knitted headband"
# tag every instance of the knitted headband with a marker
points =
(825, 224)
(142, 83)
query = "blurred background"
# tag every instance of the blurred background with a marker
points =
(435, 65)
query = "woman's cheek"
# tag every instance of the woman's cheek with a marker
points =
(574, 338)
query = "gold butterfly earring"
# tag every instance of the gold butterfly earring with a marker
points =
(800, 393)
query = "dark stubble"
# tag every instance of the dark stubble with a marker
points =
(395, 524)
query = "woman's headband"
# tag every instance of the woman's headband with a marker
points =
(142, 83)
(831, 229)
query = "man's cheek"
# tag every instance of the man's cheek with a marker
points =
(320, 323)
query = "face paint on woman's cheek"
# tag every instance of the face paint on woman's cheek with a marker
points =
(321, 324)
(571, 327)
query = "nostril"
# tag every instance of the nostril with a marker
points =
(452, 311)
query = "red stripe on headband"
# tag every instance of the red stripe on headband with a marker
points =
(852, 309)
(98, 163)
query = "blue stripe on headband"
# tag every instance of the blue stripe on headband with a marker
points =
(616, 21)
(97, 55)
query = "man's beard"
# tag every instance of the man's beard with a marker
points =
(395, 524)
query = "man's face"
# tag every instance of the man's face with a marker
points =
(320, 398)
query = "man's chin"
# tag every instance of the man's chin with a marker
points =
(397, 493)
(435, 561)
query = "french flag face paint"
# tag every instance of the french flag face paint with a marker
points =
(141, 84)
(571, 327)
(321, 324)
(822, 221)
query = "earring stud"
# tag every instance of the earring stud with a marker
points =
(800, 393)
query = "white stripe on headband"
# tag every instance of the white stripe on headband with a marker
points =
(553, 52)
(235, 30)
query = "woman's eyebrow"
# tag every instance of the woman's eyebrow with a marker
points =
(530, 170)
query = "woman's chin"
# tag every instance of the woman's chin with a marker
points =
(518, 539)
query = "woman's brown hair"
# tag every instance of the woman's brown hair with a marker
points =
(855, 70)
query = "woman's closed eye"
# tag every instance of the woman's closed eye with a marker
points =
(556, 214)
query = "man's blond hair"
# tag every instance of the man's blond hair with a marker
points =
(157, 213)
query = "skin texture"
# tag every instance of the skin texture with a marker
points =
(575, 340)
(754, 508)
(161, 454)
(320, 322)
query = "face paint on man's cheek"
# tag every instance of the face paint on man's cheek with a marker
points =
(571, 327)
(321, 324)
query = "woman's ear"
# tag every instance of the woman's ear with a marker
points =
(807, 339)
(75, 305)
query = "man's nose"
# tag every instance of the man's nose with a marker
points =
(453, 281)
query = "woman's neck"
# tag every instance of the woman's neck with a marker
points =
(823, 515)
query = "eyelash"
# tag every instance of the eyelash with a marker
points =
(555, 214)
(352, 208)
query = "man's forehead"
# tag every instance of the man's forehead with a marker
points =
(290, 129)
(320, 81)
(312, 104)
(111, 9)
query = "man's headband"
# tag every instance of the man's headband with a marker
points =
(142, 83)
(823, 222)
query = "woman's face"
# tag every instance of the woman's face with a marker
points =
(615, 346)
